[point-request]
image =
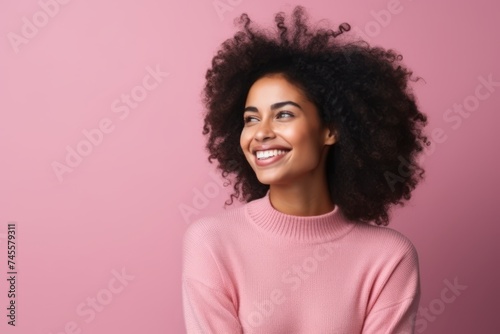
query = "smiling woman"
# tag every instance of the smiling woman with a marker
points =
(314, 122)
(278, 116)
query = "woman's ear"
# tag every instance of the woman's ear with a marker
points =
(331, 136)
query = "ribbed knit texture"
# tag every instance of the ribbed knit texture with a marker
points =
(254, 269)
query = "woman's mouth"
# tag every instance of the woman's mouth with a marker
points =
(267, 157)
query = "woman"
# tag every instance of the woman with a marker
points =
(319, 136)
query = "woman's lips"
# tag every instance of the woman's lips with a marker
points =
(270, 160)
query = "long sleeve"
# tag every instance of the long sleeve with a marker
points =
(207, 302)
(396, 306)
(255, 270)
(207, 310)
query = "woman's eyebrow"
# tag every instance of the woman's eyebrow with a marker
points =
(274, 106)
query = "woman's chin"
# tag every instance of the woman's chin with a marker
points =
(270, 181)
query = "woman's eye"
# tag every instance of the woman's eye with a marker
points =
(248, 119)
(281, 114)
(284, 114)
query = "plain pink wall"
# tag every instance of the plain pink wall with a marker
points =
(116, 211)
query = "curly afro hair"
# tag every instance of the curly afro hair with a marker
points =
(362, 90)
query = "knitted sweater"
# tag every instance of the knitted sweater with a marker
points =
(254, 269)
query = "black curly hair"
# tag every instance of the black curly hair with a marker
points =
(362, 90)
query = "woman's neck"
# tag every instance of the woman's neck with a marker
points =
(300, 200)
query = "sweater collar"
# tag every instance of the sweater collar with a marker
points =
(307, 229)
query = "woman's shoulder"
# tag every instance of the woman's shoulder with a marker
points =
(383, 237)
(214, 225)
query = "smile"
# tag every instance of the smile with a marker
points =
(262, 155)
(267, 157)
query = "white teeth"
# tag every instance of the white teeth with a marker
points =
(269, 153)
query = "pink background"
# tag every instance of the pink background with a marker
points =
(119, 207)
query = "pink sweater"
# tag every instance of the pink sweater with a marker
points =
(254, 269)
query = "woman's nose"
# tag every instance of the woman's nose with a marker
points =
(264, 131)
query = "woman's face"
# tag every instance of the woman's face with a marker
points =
(282, 138)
